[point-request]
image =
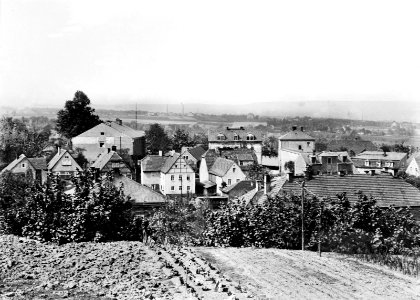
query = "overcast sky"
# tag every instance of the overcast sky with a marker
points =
(213, 51)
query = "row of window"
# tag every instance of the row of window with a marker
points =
(180, 188)
(378, 164)
(230, 181)
(236, 137)
(180, 177)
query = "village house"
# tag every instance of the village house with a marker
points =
(291, 147)
(330, 163)
(150, 168)
(176, 176)
(413, 167)
(113, 135)
(378, 161)
(240, 188)
(218, 172)
(28, 166)
(243, 157)
(352, 146)
(110, 161)
(193, 156)
(239, 137)
(63, 164)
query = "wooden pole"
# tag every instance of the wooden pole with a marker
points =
(303, 225)
(320, 227)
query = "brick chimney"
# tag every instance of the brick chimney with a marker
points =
(294, 127)
(301, 128)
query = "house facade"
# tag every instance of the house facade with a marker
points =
(26, 166)
(378, 161)
(177, 176)
(150, 168)
(193, 155)
(232, 138)
(413, 167)
(110, 161)
(331, 163)
(63, 164)
(113, 135)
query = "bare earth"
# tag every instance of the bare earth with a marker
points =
(284, 274)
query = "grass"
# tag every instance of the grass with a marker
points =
(406, 264)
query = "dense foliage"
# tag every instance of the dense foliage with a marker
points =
(181, 139)
(77, 116)
(96, 211)
(157, 139)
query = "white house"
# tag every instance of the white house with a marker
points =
(150, 168)
(177, 176)
(220, 171)
(413, 167)
(63, 164)
(35, 167)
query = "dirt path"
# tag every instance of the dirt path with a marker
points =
(283, 274)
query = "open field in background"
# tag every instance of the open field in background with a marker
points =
(393, 139)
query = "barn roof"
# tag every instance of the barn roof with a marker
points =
(221, 166)
(153, 163)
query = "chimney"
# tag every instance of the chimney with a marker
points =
(290, 177)
(160, 152)
(372, 173)
(301, 128)
(342, 173)
(294, 127)
(58, 150)
(118, 121)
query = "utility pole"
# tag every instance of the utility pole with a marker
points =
(321, 206)
(303, 225)
(136, 116)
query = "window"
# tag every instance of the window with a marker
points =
(186, 157)
(329, 160)
(180, 177)
(23, 165)
(101, 144)
(114, 148)
(366, 163)
(180, 187)
(221, 137)
(250, 137)
(229, 181)
(308, 143)
(188, 177)
(378, 164)
(172, 188)
(115, 165)
(389, 164)
(313, 159)
(237, 180)
(188, 187)
(176, 166)
(241, 163)
(102, 133)
(172, 177)
(344, 158)
(236, 137)
(300, 147)
(66, 162)
(233, 170)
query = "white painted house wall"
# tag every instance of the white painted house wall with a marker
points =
(413, 168)
(171, 185)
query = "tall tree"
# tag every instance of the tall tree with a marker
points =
(181, 139)
(157, 139)
(77, 116)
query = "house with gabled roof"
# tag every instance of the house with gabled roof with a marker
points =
(243, 157)
(113, 135)
(380, 161)
(177, 176)
(240, 137)
(110, 161)
(36, 167)
(240, 188)
(413, 167)
(63, 164)
(150, 168)
(193, 155)
(219, 172)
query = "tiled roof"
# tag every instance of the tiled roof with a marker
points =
(197, 152)
(39, 163)
(357, 146)
(112, 129)
(104, 158)
(231, 133)
(247, 198)
(138, 192)
(386, 189)
(242, 186)
(56, 158)
(296, 135)
(170, 161)
(14, 163)
(221, 166)
(239, 154)
(153, 163)
(380, 155)
(127, 130)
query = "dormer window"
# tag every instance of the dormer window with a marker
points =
(300, 147)
(236, 137)
(366, 163)
(221, 137)
(378, 164)
(102, 133)
(250, 137)
(344, 158)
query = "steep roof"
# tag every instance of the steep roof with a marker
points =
(153, 163)
(239, 154)
(112, 129)
(138, 193)
(104, 158)
(386, 189)
(170, 161)
(57, 158)
(297, 135)
(39, 163)
(380, 155)
(243, 187)
(126, 130)
(197, 152)
(14, 163)
(221, 166)
(230, 134)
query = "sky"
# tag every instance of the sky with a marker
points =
(221, 52)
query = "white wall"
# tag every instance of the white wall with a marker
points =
(413, 168)
(149, 178)
(184, 170)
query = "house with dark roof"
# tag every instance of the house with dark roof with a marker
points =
(63, 164)
(113, 135)
(385, 189)
(330, 163)
(240, 188)
(379, 161)
(143, 198)
(295, 146)
(150, 167)
(35, 167)
(219, 172)
(177, 176)
(240, 137)
(193, 156)
(352, 146)
(110, 161)
(413, 167)
(243, 157)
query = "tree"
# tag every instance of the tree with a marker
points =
(181, 139)
(77, 116)
(290, 165)
(270, 146)
(256, 172)
(157, 139)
